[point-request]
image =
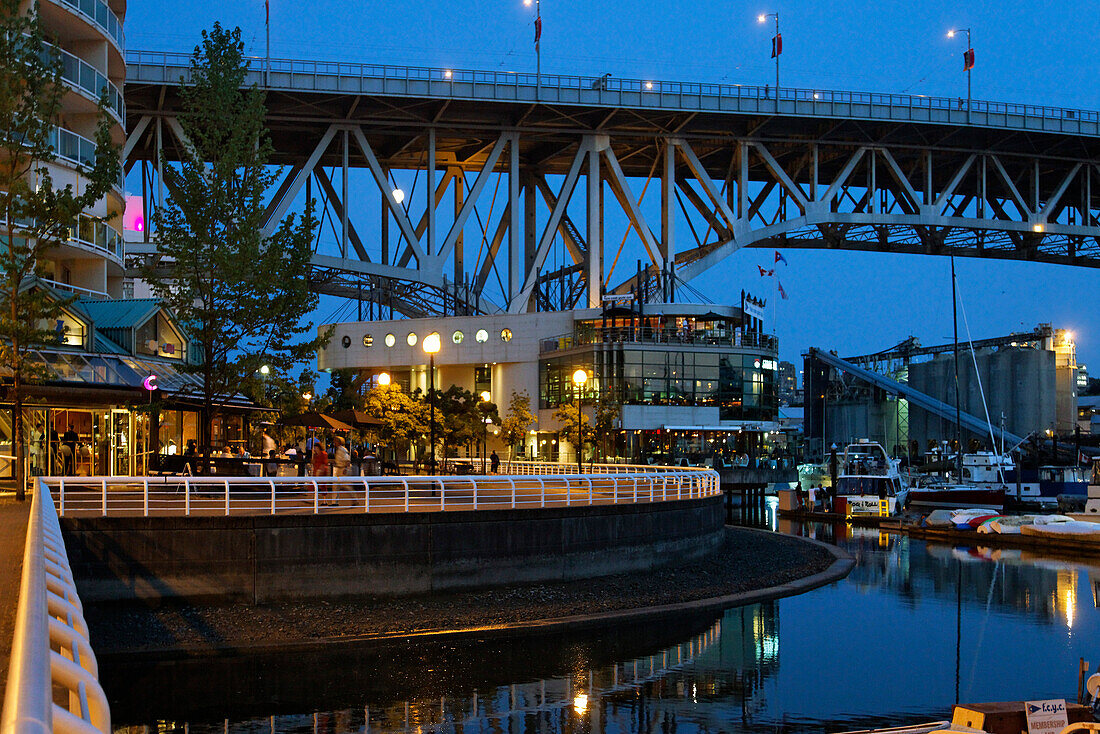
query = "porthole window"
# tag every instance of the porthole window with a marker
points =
(390, 340)
(411, 339)
(368, 340)
(481, 336)
(457, 337)
(506, 335)
(345, 341)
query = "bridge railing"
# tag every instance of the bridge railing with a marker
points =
(472, 83)
(53, 680)
(165, 496)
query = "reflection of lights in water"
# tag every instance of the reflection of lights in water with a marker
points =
(1067, 594)
(1069, 609)
(580, 703)
(771, 505)
(694, 693)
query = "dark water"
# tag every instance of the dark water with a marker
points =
(892, 643)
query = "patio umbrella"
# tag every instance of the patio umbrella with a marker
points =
(315, 420)
(356, 418)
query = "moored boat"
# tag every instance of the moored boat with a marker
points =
(869, 481)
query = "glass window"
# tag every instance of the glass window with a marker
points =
(411, 339)
(457, 337)
(390, 340)
(506, 335)
(368, 340)
(481, 336)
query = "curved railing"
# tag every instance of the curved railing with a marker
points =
(87, 78)
(76, 149)
(352, 78)
(167, 496)
(99, 13)
(50, 649)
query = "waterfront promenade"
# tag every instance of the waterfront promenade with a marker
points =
(13, 535)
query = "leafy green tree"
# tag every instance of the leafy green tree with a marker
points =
(37, 214)
(244, 295)
(344, 390)
(457, 418)
(607, 413)
(404, 417)
(566, 415)
(517, 421)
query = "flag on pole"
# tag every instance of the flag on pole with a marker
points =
(777, 45)
(538, 31)
(267, 11)
(968, 59)
(782, 293)
(779, 258)
(765, 273)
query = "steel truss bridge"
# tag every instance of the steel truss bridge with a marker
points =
(508, 183)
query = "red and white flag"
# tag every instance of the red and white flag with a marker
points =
(782, 293)
(765, 273)
(267, 11)
(538, 31)
(777, 45)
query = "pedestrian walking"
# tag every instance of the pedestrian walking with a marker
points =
(320, 468)
(341, 463)
(494, 462)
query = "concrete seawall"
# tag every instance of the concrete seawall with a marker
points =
(292, 557)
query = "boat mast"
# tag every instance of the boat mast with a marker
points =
(958, 408)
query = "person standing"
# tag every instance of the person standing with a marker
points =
(68, 440)
(494, 462)
(319, 468)
(341, 463)
(267, 443)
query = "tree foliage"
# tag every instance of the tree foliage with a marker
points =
(404, 417)
(517, 421)
(37, 213)
(242, 292)
(566, 415)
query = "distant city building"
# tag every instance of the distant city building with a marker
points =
(788, 385)
(1082, 379)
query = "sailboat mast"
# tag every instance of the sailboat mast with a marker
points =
(958, 407)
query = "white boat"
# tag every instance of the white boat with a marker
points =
(983, 485)
(867, 477)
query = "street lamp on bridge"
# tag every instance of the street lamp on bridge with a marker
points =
(968, 62)
(538, 54)
(777, 49)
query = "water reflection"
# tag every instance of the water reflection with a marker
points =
(910, 629)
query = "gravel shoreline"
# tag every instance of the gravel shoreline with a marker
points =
(747, 561)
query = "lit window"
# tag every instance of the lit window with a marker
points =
(457, 337)
(481, 336)
(411, 339)
(368, 340)
(390, 340)
(506, 335)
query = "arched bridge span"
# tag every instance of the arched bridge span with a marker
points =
(450, 191)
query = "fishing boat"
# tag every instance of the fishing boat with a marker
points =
(984, 485)
(868, 477)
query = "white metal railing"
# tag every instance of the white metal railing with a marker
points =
(485, 84)
(212, 495)
(524, 467)
(51, 658)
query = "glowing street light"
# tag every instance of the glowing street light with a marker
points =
(265, 370)
(968, 62)
(538, 54)
(398, 195)
(486, 397)
(307, 396)
(431, 345)
(580, 377)
(384, 379)
(777, 49)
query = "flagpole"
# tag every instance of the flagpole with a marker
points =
(267, 27)
(777, 50)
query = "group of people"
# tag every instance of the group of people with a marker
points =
(819, 497)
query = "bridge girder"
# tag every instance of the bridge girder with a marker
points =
(522, 175)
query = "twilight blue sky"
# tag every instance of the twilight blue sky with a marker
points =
(1039, 53)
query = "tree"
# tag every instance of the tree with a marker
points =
(566, 415)
(243, 294)
(38, 214)
(404, 417)
(517, 421)
(607, 413)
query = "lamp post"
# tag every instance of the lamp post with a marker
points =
(486, 396)
(431, 346)
(538, 54)
(579, 378)
(968, 63)
(777, 49)
(384, 379)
